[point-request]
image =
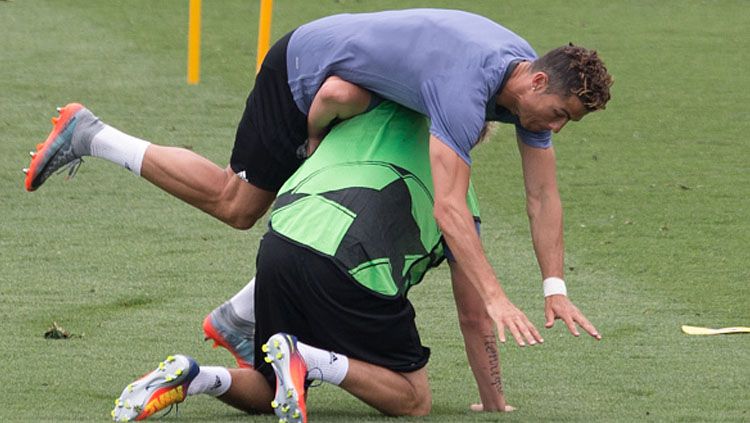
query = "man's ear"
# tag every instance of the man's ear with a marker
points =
(539, 81)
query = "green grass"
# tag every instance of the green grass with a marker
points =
(655, 191)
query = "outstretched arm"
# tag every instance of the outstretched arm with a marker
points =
(336, 99)
(544, 209)
(450, 175)
(481, 345)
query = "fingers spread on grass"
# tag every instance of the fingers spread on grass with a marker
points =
(549, 316)
(479, 408)
(529, 331)
(570, 323)
(535, 332)
(516, 334)
(501, 333)
(587, 326)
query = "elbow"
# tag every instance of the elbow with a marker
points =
(337, 92)
(331, 93)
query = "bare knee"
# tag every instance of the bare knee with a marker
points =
(420, 404)
(241, 219)
(241, 204)
(417, 400)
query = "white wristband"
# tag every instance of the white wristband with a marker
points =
(554, 286)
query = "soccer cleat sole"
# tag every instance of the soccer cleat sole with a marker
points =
(158, 389)
(289, 400)
(50, 147)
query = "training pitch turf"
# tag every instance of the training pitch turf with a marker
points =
(655, 190)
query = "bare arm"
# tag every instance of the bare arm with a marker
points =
(544, 209)
(479, 338)
(450, 176)
(336, 99)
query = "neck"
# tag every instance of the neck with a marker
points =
(514, 87)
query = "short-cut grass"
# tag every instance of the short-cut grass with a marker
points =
(655, 190)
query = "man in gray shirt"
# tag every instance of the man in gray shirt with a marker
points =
(457, 68)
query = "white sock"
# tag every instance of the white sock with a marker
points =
(327, 366)
(243, 302)
(210, 380)
(119, 148)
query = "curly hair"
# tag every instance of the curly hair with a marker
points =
(574, 70)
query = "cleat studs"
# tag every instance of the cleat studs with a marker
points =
(285, 408)
(268, 359)
(169, 378)
(162, 366)
(59, 109)
(130, 388)
(295, 415)
(55, 120)
(264, 348)
(170, 358)
(274, 404)
(25, 170)
(279, 355)
(178, 372)
(113, 414)
(289, 393)
(32, 153)
(276, 343)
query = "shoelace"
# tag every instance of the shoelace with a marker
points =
(169, 410)
(71, 167)
(312, 383)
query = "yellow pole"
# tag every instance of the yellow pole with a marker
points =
(264, 31)
(194, 43)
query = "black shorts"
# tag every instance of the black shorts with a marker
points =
(304, 294)
(272, 127)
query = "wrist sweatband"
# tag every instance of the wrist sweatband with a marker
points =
(554, 286)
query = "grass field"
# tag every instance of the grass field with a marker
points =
(655, 189)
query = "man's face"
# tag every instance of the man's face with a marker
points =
(539, 110)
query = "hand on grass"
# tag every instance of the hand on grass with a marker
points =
(480, 408)
(508, 316)
(560, 307)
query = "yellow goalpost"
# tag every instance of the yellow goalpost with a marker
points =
(194, 37)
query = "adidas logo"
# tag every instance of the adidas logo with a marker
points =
(217, 384)
(333, 358)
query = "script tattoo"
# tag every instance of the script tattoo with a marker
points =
(490, 347)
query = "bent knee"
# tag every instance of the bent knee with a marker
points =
(242, 203)
(240, 214)
(242, 222)
(420, 404)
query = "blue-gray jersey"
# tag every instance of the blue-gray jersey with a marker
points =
(446, 64)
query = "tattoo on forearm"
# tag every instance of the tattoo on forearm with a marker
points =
(490, 347)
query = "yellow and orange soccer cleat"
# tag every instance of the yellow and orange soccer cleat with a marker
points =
(165, 386)
(291, 372)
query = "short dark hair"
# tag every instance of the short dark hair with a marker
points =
(574, 70)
